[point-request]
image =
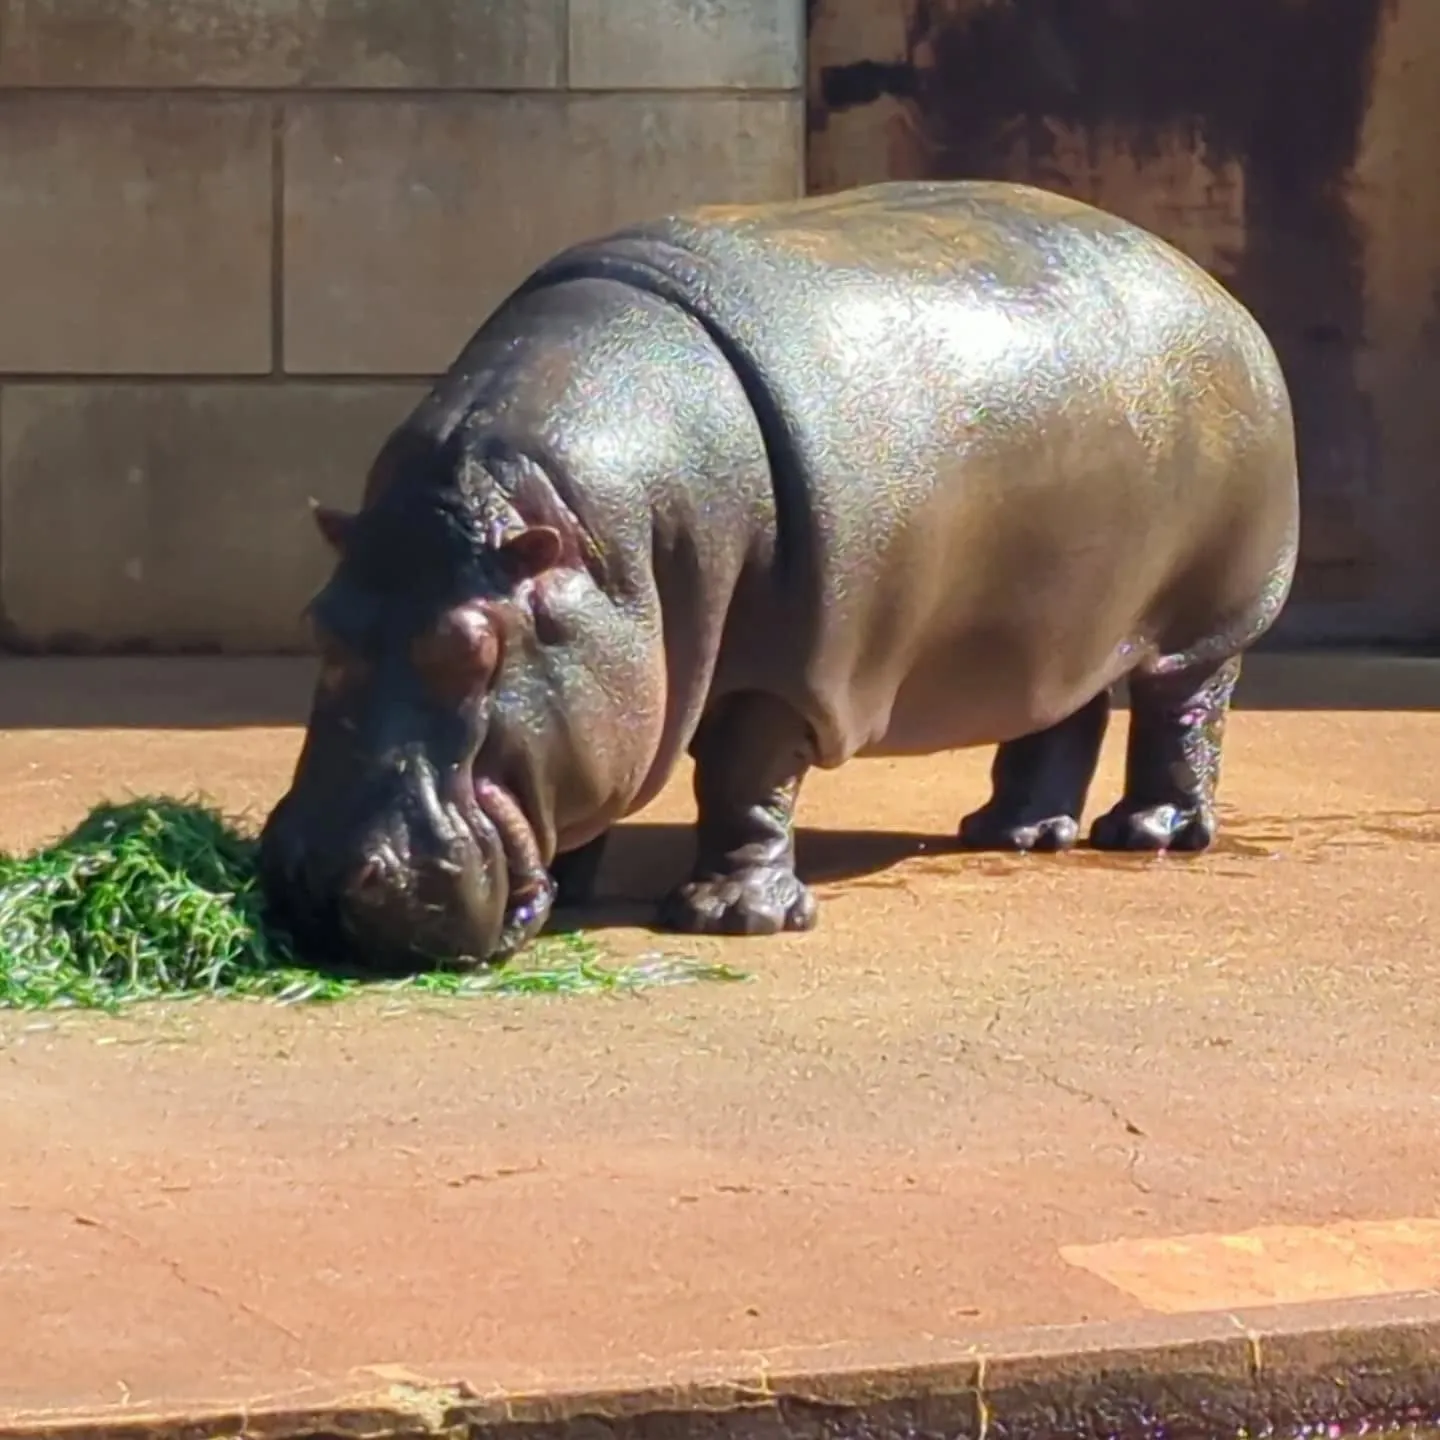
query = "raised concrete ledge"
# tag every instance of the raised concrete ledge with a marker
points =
(1339, 680)
(163, 689)
(1331, 1368)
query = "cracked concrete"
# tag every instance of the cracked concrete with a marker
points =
(883, 1142)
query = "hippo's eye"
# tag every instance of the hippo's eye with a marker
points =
(340, 666)
(457, 658)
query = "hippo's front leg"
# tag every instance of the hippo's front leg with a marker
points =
(751, 754)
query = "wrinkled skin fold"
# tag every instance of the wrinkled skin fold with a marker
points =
(912, 468)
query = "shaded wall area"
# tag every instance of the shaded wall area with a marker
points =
(237, 237)
(1291, 146)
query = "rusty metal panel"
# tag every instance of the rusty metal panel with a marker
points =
(1291, 146)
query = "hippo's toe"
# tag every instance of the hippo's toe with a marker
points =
(1153, 828)
(765, 900)
(995, 828)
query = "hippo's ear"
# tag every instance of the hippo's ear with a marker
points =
(333, 525)
(533, 551)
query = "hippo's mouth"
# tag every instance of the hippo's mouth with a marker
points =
(531, 890)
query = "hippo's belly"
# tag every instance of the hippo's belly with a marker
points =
(985, 662)
(940, 706)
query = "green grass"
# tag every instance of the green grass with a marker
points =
(159, 899)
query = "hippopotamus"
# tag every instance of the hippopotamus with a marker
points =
(905, 469)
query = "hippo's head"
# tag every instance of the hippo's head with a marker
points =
(481, 700)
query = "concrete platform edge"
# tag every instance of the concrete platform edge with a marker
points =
(164, 691)
(1372, 1362)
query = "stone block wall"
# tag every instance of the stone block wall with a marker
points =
(238, 236)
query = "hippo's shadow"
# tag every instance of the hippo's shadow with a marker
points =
(646, 860)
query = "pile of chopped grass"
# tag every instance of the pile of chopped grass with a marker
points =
(158, 899)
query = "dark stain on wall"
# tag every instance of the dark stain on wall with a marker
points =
(864, 82)
(1279, 86)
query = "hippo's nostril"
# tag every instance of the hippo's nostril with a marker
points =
(370, 882)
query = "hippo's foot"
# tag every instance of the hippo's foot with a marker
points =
(995, 828)
(764, 901)
(1172, 761)
(1039, 785)
(1153, 828)
(750, 756)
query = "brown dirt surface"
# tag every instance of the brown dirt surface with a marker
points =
(985, 1093)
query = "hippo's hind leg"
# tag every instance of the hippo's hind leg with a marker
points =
(1039, 783)
(1172, 760)
(751, 753)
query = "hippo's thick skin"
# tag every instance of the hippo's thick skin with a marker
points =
(907, 469)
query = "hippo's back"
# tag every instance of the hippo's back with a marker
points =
(987, 247)
(990, 236)
(1007, 431)
(946, 320)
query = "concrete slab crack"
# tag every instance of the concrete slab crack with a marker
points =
(1079, 1092)
(1089, 1096)
(91, 1222)
(1110, 1107)
(489, 1177)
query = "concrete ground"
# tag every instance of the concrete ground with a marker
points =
(985, 1094)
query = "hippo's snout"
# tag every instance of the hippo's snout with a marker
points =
(439, 908)
(402, 896)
